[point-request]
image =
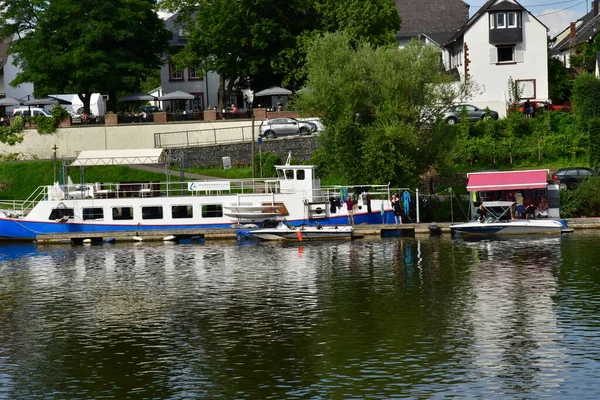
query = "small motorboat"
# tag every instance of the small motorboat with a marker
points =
(279, 230)
(497, 221)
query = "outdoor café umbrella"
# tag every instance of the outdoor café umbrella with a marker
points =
(9, 101)
(45, 101)
(274, 91)
(177, 95)
(137, 97)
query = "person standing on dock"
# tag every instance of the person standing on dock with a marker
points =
(350, 207)
(397, 207)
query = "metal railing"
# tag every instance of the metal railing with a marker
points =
(205, 137)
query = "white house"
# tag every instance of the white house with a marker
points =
(205, 87)
(501, 41)
(8, 72)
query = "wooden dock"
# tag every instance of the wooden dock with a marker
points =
(404, 230)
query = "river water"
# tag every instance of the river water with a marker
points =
(390, 318)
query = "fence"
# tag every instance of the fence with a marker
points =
(205, 137)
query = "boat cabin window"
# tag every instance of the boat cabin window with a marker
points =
(182, 212)
(289, 174)
(212, 210)
(93, 213)
(121, 213)
(300, 174)
(61, 213)
(152, 212)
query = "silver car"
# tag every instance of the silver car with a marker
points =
(271, 128)
(452, 114)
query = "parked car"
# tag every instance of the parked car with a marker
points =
(570, 178)
(453, 114)
(541, 106)
(148, 109)
(29, 111)
(272, 128)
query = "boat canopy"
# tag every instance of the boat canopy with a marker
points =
(507, 180)
(503, 204)
(119, 157)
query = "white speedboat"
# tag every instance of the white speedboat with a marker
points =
(498, 222)
(278, 230)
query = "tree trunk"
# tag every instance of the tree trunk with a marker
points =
(85, 99)
(112, 101)
(221, 92)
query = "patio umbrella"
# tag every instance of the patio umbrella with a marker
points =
(274, 91)
(45, 101)
(177, 95)
(137, 97)
(9, 101)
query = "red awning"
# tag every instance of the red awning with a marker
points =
(513, 180)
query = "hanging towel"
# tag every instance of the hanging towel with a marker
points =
(406, 198)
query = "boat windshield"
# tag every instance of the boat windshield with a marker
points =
(497, 210)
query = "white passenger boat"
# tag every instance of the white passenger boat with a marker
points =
(279, 230)
(101, 208)
(499, 222)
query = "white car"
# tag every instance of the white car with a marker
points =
(30, 111)
(272, 128)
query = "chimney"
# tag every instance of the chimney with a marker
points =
(595, 7)
(573, 30)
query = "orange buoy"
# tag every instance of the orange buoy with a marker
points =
(299, 235)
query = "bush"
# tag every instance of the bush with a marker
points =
(269, 161)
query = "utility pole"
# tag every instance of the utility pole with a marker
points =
(253, 148)
(54, 151)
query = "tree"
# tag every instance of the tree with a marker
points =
(65, 46)
(374, 102)
(586, 108)
(261, 43)
(558, 81)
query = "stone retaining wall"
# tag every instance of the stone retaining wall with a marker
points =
(301, 148)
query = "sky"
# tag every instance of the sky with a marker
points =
(555, 14)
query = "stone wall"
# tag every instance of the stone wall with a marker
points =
(301, 148)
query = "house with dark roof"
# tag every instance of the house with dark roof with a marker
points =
(502, 41)
(433, 22)
(584, 30)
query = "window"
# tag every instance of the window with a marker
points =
(212, 210)
(61, 214)
(300, 175)
(512, 19)
(122, 213)
(289, 174)
(194, 73)
(182, 211)
(93, 213)
(152, 212)
(174, 74)
(500, 20)
(506, 54)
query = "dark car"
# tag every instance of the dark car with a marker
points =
(149, 109)
(570, 178)
(271, 128)
(453, 114)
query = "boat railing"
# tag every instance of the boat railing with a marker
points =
(17, 208)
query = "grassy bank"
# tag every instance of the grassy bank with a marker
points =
(20, 178)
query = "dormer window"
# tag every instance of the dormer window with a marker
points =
(502, 20)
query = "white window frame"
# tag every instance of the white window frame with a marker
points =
(503, 24)
(513, 57)
(516, 20)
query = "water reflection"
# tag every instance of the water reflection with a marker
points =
(367, 319)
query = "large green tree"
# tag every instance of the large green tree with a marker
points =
(260, 43)
(375, 103)
(66, 46)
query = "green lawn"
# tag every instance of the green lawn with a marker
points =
(19, 179)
